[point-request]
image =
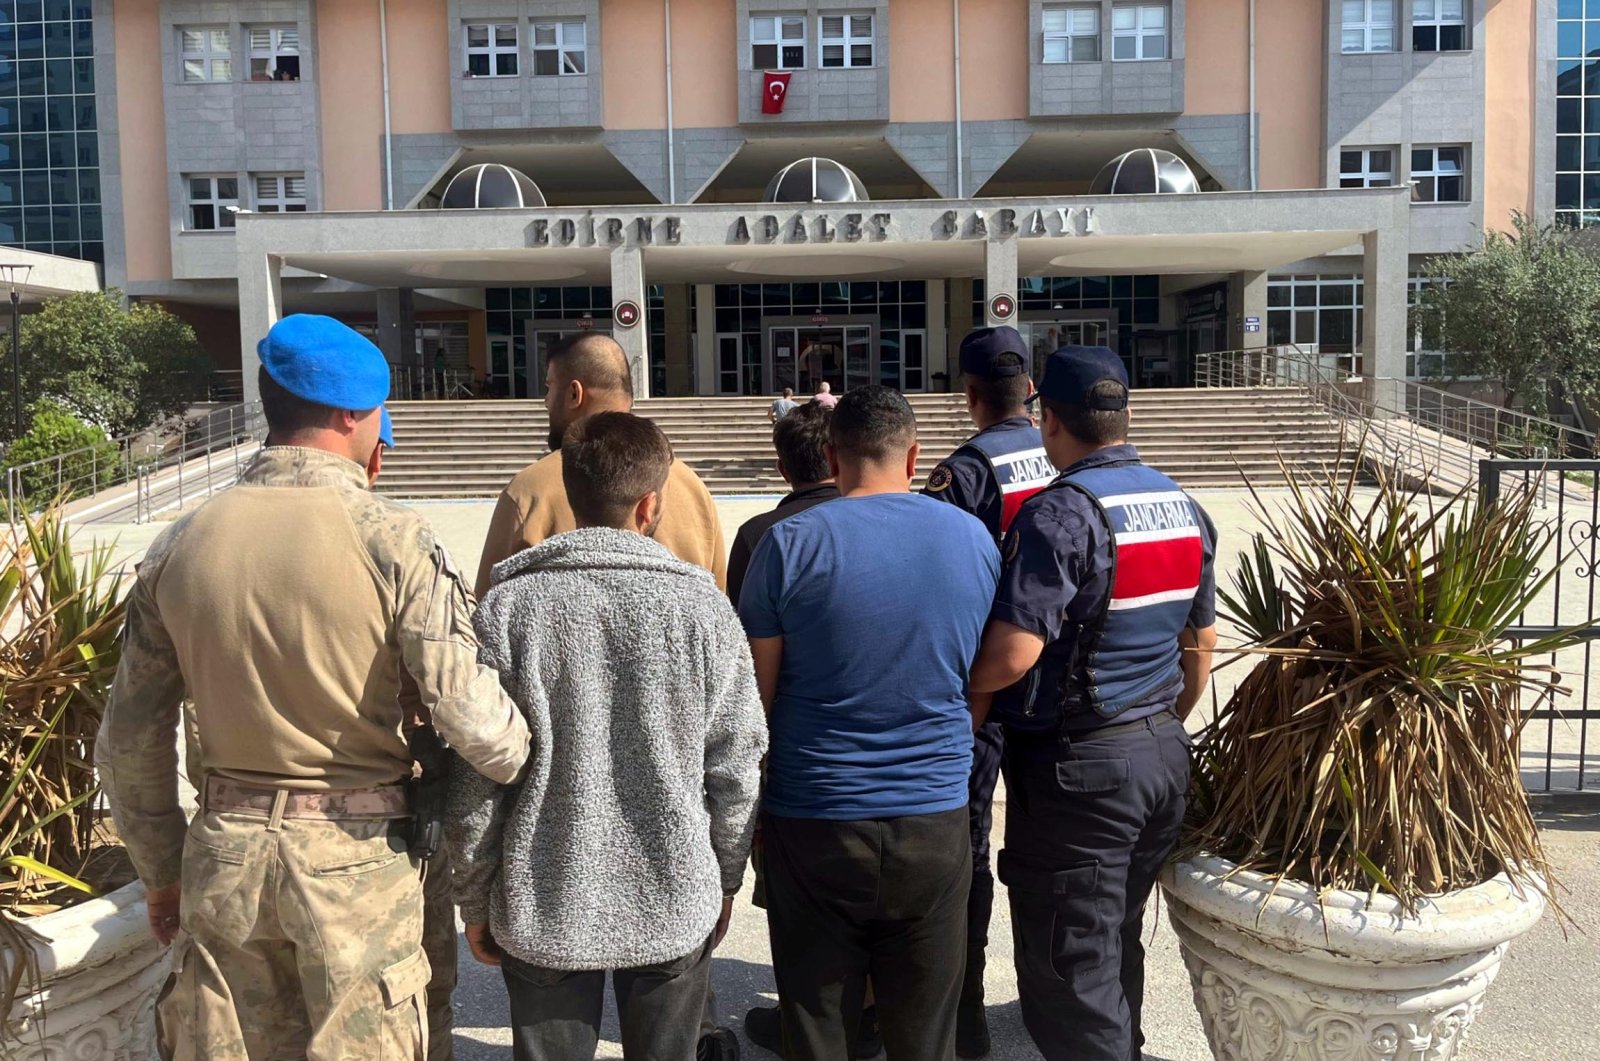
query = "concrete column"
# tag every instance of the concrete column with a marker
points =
(627, 285)
(680, 366)
(938, 352)
(260, 307)
(397, 326)
(1383, 332)
(1000, 275)
(1247, 297)
(705, 338)
(961, 322)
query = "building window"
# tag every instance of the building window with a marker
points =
(1323, 312)
(1072, 34)
(274, 53)
(1439, 174)
(281, 194)
(1424, 360)
(207, 53)
(1366, 167)
(1368, 26)
(1577, 143)
(847, 40)
(778, 42)
(1138, 31)
(1438, 25)
(492, 49)
(210, 199)
(560, 48)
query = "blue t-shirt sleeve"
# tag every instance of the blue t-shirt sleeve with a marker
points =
(764, 583)
(1036, 584)
(1204, 611)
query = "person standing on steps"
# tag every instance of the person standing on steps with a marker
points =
(1107, 609)
(287, 611)
(825, 395)
(782, 407)
(990, 476)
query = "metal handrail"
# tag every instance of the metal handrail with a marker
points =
(170, 465)
(417, 383)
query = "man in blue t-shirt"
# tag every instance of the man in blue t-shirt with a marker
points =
(864, 615)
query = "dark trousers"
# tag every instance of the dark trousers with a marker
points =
(988, 746)
(885, 898)
(555, 1015)
(1088, 827)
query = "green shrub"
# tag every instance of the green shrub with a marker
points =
(90, 461)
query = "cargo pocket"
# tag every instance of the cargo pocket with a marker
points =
(1058, 916)
(405, 1028)
(1092, 777)
(174, 1006)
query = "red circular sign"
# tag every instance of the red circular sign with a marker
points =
(1002, 307)
(626, 314)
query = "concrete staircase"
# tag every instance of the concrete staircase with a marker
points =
(1203, 438)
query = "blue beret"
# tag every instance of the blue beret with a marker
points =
(323, 361)
(1074, 371)
(385, 427)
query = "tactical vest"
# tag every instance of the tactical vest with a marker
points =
(1129, 652)
(1020, 467)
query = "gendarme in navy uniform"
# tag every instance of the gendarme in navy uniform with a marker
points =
(990, 476)
(1107, 606)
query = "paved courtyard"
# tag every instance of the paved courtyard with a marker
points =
(1546, 1005)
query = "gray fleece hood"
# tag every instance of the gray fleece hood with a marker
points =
(597, 549)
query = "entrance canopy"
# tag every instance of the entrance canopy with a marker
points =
(1242, 234)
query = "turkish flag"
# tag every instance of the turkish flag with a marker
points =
(774, 90)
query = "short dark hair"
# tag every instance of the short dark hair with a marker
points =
(608, 462)
(873, 423)
(288, 414)
(1003, 395)
(1094, 427)
(597, 361)
(801, 439)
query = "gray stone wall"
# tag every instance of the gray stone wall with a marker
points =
(110, 138)
(235, 128)
(816, 94)
(1147, 86)
(528, 100)
(1405, 99)
(1544, 124)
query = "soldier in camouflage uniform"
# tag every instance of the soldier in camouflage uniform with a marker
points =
(287, 610)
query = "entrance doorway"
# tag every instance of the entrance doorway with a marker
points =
(803, 358)
(528, 362)
(903, 362)
(1046, 337)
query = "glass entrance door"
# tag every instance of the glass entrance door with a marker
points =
(803, 358)
(1046, 337)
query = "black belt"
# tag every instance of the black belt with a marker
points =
(1053, 737)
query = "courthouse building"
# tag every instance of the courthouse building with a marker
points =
(959, 161)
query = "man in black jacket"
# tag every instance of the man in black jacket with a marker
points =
(799, 439)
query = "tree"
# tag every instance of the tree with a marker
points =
(120, 369)
(1522, 309)
(88, 460)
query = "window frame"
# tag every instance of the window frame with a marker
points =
(1438, 23)
(208, 56)
(561, 48)
(780, 42)
(224, 220)
(274, 51)
(491, 50)
(282, 201)
(1435, 174)
(1367, 26)
(1368, 175)
(1048, 35)
(848, 42)
(1140, 33)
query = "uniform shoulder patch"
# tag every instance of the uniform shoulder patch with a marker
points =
(940, 479)
(1013, 545)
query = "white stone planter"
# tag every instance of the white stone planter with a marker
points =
(101, 971)
(1280, 976)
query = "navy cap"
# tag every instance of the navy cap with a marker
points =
(994, 353)
(385, 427)
(1073, 371)
(323, 361)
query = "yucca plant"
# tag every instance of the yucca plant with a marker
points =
(1374, 743)
(59, 619)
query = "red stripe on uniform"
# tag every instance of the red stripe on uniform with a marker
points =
(1147, 568)
(1011, 502)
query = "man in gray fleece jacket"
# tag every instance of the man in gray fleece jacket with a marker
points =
(625, 844)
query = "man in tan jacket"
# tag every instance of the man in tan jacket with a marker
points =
(585, 375)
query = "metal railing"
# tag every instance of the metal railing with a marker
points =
(416, 383)
(136, 477)
(1414, 429)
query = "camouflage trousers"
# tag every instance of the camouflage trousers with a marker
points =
(439, 941)
(301, 938)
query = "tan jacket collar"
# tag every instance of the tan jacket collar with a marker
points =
(303, 466)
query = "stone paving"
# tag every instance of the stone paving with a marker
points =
(1545, 1005)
